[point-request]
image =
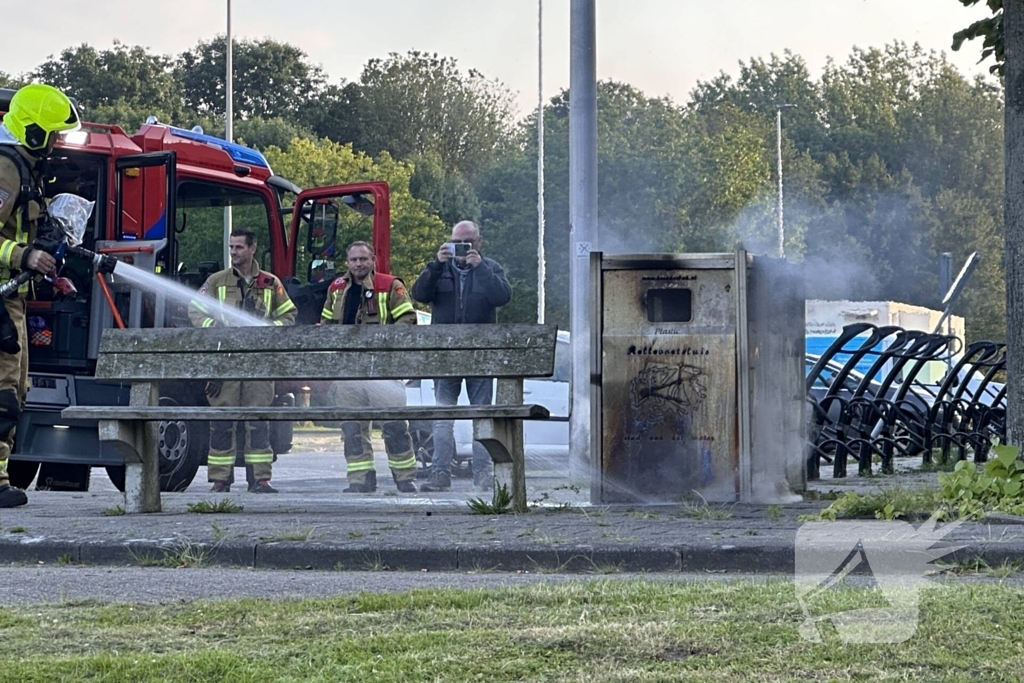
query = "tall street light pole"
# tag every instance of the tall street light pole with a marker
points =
(582, 219)
(541, 266)
(778, 146)
(229, 133)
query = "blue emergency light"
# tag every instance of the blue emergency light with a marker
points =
(239, 153)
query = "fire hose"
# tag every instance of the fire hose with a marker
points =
(101, 263)
(60, 235)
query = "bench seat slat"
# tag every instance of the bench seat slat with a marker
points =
(289, 364)
(524, 412)
(306, 338)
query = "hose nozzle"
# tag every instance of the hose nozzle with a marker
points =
(102, 263)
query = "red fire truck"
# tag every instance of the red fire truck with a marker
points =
(163, 197)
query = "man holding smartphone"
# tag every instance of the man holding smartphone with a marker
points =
(462, 287)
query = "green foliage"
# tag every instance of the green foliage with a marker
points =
(222, 506)
(9, 81)
(261, 133)
(890, 503)
(182, 554)
(990, 30)
(271, 79)
(704, 511)
(891, 158)
(500, 504)
(967, 491)
(416, 104)
(447, 192)
(122, 78)
(998, 486)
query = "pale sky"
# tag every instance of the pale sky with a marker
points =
(661, 46)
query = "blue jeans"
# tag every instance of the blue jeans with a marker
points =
(446, 393)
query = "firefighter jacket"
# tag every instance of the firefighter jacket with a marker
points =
(264, 298)
(21, 206)
(385, 302)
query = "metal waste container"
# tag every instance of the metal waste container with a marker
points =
(697, 378)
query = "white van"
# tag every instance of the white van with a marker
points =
(546, 443)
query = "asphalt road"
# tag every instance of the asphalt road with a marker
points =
(48, 584)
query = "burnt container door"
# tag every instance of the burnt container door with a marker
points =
(668, 385)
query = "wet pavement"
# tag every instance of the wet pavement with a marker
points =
(312, 525)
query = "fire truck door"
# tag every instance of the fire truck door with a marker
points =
(144, 222)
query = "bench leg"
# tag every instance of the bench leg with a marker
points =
(137, 443)
(503, 439)
(142, 489)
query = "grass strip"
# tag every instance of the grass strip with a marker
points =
(594, 632)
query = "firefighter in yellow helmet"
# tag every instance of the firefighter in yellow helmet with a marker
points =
(36, 115)
(242, 286)
(362, 297)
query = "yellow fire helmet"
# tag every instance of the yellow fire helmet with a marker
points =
(37, 112)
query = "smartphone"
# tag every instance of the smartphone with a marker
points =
(462, 249)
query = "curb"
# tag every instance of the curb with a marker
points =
(767, 556)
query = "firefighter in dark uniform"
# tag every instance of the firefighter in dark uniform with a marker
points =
(244, 287)
(362, 297)
(37, 114)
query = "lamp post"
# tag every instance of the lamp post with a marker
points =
(229, 133)
(778, 146)
(582, 218)
(541, 266)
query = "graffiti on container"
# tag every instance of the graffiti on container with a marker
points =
(662, 391)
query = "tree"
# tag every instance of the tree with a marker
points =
(421, 104)
(653, 159)
(508, 223)
(271, 79)
(122, 78)
(961, 223)
(763, 84)
(1013, 26)
(334, 114)
(8, 81)
(263, 133)
(990, 30)
(450, 195)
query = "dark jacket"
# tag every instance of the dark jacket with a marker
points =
(486, 289)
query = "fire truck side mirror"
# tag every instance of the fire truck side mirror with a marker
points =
(323, 228)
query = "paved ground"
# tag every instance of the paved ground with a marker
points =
(312, 525)
(41, 584)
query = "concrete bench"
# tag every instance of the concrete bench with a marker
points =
(145, 357)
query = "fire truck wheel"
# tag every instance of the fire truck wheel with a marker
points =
(183, 447)
(22, 472)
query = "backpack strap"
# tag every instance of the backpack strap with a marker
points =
(29, 190)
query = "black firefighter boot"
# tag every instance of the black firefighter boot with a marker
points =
(368, 486)
(11, 497)
(404, 486)
(439, 481)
